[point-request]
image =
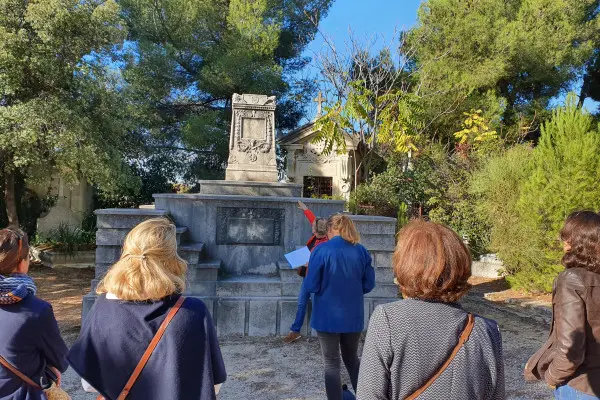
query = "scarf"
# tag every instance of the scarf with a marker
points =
(15, 287)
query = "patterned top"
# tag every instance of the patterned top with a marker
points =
(408, 341)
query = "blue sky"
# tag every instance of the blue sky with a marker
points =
(365, 19)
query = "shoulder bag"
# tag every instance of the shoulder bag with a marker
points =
(142, 363)
(54, 392)
(464, 336)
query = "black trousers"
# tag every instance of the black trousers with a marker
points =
(331, 343)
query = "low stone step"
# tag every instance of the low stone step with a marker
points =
(384, 275)
(116, 236)
(190, 252)
(287, 273)
(201, 288)
(249, 285)
(180, 231)
(374, 225)
(383, 290)
(382, 258)
(206, 270)
(378, 242)
(125, 218)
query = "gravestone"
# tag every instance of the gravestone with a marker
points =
(252, 143)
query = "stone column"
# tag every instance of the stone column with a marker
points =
(252, 143)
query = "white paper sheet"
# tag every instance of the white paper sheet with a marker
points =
(298, 257)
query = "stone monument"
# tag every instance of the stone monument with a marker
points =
(234, 234)
(252, 143)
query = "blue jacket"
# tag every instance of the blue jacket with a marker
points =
(29, 340)
(339, 274)
(185, 365)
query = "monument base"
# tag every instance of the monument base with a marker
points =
(248, 175)
(276, 189)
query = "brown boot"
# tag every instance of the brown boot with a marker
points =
(292, 337)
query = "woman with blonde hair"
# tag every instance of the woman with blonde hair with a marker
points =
(426, 346)
(339, 274)
(142, 339)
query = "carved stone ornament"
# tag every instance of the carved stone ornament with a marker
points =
(254, 99)
(313, 152)
(250, 145)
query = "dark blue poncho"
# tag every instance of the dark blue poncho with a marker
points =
(185, 365)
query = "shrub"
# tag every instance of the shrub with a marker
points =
(497, 188)
(526, 195)
(66, 238)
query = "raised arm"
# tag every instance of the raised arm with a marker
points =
(309, 214)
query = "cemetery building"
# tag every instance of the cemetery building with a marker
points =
(321, 174)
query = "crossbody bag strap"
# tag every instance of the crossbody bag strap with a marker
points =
(142, 363)
(18, 373)
(464, 336)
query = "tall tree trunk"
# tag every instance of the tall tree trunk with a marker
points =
(10, 199)
(584, 90)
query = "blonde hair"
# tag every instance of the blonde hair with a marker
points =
(149, 267)
(345, 226)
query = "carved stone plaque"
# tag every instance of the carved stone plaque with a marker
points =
(252, 141)
(249, 226)
(254, 128)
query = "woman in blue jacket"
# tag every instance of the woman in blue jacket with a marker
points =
(339, 274)
(29, 337)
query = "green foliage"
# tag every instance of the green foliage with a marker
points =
(497, 189)
(519, 53)
(60, 111)
(188, 57)
(475, 129)
(526, 194)
(66, 238)
(389, 120)
(449, 200)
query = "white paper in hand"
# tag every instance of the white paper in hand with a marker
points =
(299, 257)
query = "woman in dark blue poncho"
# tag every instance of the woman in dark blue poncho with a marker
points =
(135, 297)
(29, 337)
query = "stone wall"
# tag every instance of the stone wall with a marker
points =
(249, 289)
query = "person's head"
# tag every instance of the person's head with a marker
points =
(581, 239)
(14, 252)
(319, 227)
(149, 267)
(342, 225)
(431, 262)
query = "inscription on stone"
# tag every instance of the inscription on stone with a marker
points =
(249, 226)
(254, 128)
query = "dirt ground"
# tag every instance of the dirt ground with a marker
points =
(266, 369)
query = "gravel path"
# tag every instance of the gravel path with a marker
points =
(266, 369)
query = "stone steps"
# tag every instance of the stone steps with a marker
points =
(378, 242)
(249, 286)
(116, 236)
(191, 252)
(204, 271)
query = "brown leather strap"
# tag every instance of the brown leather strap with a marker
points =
(18, 373)
(464, 336)
(142, 363)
